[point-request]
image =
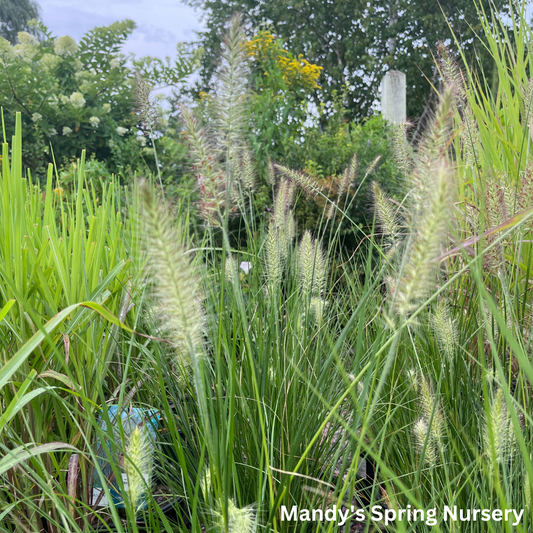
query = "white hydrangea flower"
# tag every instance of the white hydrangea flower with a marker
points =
(85, 87)
(50, 61)
(53, 100)
(36, 117)
(65, 46)
(83, 75)
(121, 131)
(26, 52)
(94, 121)
(67, 131)
(111, 143)
(26, 38)
(5, 47)
(77, 100)
(52, 132)
(114, 63)
(64, 99)
(106, 108)
(141, 139)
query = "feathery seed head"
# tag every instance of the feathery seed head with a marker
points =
(231, 102)
(425, 245)
(402, 151)
(432, 412)
(445, 330)
(210, 177)
(176, 283)
(243, 178)
(271, 173)
(498, 430)
(247, 170)
(420, 431)
(470, 139)
(349, 177)
(525, 197)
(145, 108)
(386, 214)
(373, 165)
(283, 203)
(493, 258)
(138, 465)
(312, 266)
(433, 149)
(229, 269)
(239, 520)
(306, 182)
(274, 256)
(451, 73)
(282, 217)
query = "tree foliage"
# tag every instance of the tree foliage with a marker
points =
(355, 41)
(14, 17)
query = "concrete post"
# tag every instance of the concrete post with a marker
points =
(393, 97)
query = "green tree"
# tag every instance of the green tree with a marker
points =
(356, 41)
(14, 17)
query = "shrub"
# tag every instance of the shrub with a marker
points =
(81, 94)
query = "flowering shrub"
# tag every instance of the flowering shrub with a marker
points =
(268, 55)
(79, 95)
(282, 85)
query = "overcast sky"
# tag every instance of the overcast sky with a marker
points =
(161, 24)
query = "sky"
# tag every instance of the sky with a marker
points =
(161, 24)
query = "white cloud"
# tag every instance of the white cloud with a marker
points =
(161, 24)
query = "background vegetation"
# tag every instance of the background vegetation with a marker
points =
(191, 355)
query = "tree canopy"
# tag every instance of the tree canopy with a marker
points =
(14, 17)
(357, 41)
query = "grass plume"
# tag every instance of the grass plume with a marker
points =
(176, 287)
(429, 232)
(312, 266)
(231, 102)
(498, 433)
(138, 465)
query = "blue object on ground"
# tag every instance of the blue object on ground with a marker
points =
(129, 419)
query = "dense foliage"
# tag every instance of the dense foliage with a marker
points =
(356, 42)
(72, 95)
(158, 378)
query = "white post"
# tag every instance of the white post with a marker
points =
(393, 97)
